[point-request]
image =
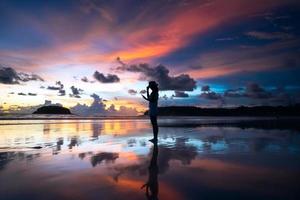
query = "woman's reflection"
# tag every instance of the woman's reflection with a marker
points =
(152, 184)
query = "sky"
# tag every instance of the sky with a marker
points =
(98, 56)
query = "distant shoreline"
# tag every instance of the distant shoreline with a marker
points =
(75, 117)
(291, 123)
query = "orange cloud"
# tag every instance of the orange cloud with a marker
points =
(103, 41)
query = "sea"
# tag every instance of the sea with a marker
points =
(62, 157)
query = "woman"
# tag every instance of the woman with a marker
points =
(153, 98)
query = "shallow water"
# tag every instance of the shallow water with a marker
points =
(113, 159)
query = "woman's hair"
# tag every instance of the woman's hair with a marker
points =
(153, 85)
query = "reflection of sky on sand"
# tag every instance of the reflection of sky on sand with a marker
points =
(110, 159)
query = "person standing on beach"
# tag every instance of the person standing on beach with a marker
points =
(153, 98)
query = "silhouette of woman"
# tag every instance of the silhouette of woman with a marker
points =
(152, 184)
(153, 98)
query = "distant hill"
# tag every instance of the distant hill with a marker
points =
(238, 111)
(52, 110)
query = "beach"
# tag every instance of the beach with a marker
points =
(110, 159)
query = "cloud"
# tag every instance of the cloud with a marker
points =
(210, 95)
(32, 94)
(270, 35)
(61, 92)
(256, 91)
(22, 94)
(29, 77)
(109, 78)
(253, 90)
(261, 96)
(75, 92)
(9, 76)
(132, 92)
(53, 88)
(98, 108)
(234, 93)
(59, 86)
(160, 74)
(205, 88)
(84, 79)
(226, 39)
(143, 92)
(180, 94)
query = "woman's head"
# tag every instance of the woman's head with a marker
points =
(153, 85)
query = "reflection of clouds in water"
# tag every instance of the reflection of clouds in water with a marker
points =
(232, 139)
(73, 142)
(233, 155)
(98, 158)
(131, 142)
(180, 150)
(7, 157)
(103, 156)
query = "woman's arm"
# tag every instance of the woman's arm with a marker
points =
(148, 92)
(148, 95)
(145, 98)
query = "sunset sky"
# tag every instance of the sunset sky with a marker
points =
(208, 53)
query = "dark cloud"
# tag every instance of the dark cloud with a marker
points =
(233, 93)
(32, 94)
(143, 92)
(180, 94)
(75, 92)
(58, 86)
(61, 92)
(211, 95)
(253, 90)
(22, 94)
(96, 97)
(270, 35)
(53, 88)
(132, 92)
(9, 76)
(205, 88)
(226, 39)
(160, 74)
(109, 78)
(84, 79)
(278, 96)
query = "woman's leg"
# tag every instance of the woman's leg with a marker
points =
(154, 126)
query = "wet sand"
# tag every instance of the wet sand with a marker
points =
(113, 159)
